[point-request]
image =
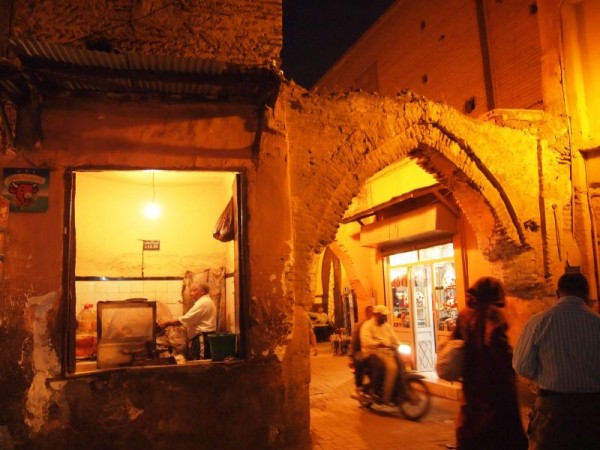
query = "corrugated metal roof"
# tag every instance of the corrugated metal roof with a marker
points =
(12, 84)
(54, 67)
(10, 87)
(129, 61)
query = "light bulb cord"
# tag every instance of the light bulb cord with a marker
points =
(153, 190)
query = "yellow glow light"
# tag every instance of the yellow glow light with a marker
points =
(152, 211)
(404, 349)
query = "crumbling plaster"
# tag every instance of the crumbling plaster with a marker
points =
(44, 361)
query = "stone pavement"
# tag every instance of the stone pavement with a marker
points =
(338, 422)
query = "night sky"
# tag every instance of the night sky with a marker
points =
(317, 32)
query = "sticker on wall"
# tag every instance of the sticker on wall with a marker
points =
(4, 208)
(26, 189)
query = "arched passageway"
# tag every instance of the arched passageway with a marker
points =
(361, 135)
(494, 172)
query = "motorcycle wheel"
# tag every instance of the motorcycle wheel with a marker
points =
(416, 400)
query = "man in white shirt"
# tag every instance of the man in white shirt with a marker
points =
(377, 338)
(198, 321)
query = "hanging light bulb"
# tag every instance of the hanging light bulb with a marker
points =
(152, 210)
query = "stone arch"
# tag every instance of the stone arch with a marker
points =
(323, 267)
(353, 278)
(331, 266)
(361, 134)
(478, 192)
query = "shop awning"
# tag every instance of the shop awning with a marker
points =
(429, 223)
(411, 200)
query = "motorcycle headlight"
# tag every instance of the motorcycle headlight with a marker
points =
(404, 349)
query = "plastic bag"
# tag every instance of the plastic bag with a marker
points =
(450, 364)
(224, 229)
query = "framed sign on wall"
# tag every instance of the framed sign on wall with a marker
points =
(26, 189)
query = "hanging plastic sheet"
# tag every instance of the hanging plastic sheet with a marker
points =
(224, 229)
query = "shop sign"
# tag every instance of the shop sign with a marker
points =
(151, 245)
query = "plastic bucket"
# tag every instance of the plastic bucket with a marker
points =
(222, 345)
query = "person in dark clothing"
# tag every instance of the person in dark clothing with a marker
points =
(312, 338)
(489, 416)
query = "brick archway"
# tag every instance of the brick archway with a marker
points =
(337, 142)
(348, 264)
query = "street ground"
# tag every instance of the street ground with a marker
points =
(338, 422)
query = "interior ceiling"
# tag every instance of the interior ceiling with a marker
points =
(162, 177)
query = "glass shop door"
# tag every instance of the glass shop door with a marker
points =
(412, 312)
(397, 278)
(421, 285)
(446, 309)
(422, 306)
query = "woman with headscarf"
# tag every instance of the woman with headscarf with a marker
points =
(489, 416)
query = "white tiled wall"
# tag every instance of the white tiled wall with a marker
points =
(166, 291)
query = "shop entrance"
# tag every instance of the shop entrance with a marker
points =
(421, 292)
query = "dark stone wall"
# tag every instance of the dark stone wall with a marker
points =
(235, 31)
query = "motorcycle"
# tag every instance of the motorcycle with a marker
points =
(411, 395)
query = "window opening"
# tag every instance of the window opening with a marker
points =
(136, 239)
